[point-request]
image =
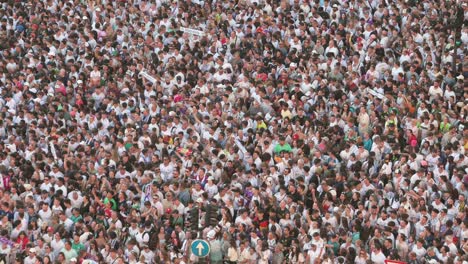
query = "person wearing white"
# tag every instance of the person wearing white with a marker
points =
(45, 213)
(57, 244)
(418, 249)
(148, 254)
(377, 256)
(142, 237)
(31, 258)
(313, 254)
(65, 221)
(167, 169)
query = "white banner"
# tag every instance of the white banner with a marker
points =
(198, 2)
(192, 31)
(376, 94)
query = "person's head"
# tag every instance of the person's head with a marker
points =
(61, 257)
(32, 252)
(68, 245)
(420, 242)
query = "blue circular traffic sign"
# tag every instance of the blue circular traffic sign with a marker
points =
(200, 248)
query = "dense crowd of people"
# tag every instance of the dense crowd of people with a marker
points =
(285, 131)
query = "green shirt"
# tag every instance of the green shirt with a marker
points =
(78, 247)
(112, 201)
(444, 127)
(69, 254)
(75, 218)
(286, 147)
(335, 247)
(356, 236)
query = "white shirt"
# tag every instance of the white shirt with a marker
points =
(68, 223)
(63, 188)
(211, 190)
(76, 203)
(166, 171)
(420, 252)
(30, 260)
(46, 186)
(240, 220)
(142, 238)
(57, 245)
(45, 216)
(149, 256)
(313, 255)
(378, 258)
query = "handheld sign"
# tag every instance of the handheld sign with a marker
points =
(200, 248)
(192, 31)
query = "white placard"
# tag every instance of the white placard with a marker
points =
(198, 2)
(375, 94)
(192, 31)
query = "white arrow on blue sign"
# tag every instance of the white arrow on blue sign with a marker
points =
(200, 248)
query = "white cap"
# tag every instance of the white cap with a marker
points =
(98, 9)
(51, 53)
(32, 250)
(79, 81)
(33, 90)
(460, 77)
(292, 64)
(26, 84)
(73, 259)
(199, 200)
(85, 18)
(211, 178)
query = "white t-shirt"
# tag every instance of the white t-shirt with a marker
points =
(45, 216)
(420, 252)
(166, 171)
(57, 246)
(211, 190)
(142, 238)
(378, 258)
(149, 255)
(313, 255)
(95, 74)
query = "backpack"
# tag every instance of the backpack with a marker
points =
(153, 239)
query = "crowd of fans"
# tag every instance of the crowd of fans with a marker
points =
(286, 131)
